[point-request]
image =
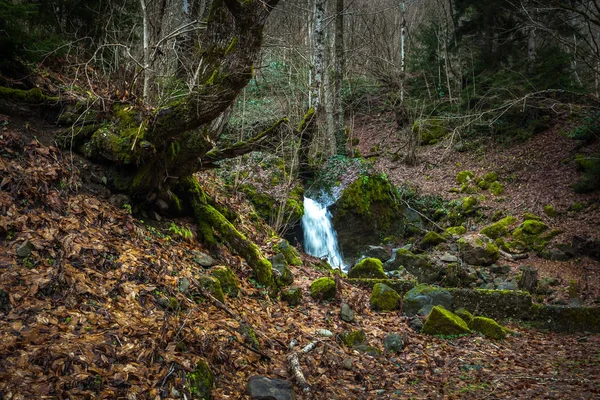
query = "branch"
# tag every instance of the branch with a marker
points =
(294, 361)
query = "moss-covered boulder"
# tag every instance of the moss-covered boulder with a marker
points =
(550, 211)
(353, 338)
(476, 251)
(456, 230)
(469, 205)
(430, 130)
(532, 233)
(464, 177)
(227, 279)
(465, 315)
(366, 212)
(292, 295)
(443, 322)
(488, 327)
(212, 286)
(422, 295)
(431, 239)
(384, 298)
(200, 381)
(499, 228)
(566, 318)
(496, 188)
(368, 268)
(493, 303)
(417, 265)
(281, 273)
(268, 207)
(323, 289)
(490, 177)
(291, 254)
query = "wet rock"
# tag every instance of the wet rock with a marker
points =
(263, 388)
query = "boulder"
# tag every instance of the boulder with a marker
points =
(346, 312)
(469, 205)
(323, 289)
(416, 264)
(281, 273)
(499, 228)
(476, 251)
(394, 343)
(444, 322)
(422, 295)
(212, 286)
(384, 298)
(201, 380)
(378, 252)
(263, 388)
(368, 268)
(431, 239)
(292, 296)
(227, 279)
(465, 315)
(291, 254)
(488, 327)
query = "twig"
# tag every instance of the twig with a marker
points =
(295, 368)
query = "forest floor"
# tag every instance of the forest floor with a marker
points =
(83, 316)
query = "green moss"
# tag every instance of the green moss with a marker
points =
(490, 177)
(384, 298)
(249, 336)
(200, 381)
(31, 96)
(213, 286)
(444, 322)
(306, 119)
(488, 327)
(496, 188)
(323, 289)
(531, 217)
(353, 338)
(484, 185)
(465, 315)
(576, 207)
(464, 177)
(368, 268)
(583, 163)
(469, 204)
(292, 296)
(431, 239)
(291, 254)
(227, 279)
(430, 130)
(498, 229)
(456, 230)
(231, 45)
(550, 211)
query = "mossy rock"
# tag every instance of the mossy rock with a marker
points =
(353, 338)
(469, 205)
(498, 304)
(530, 233)
(422, 295)
(213, 286)
(567, 318)
(490, 177)
(384, 298)
(430, 130)
(476, 251)
(496, 188)
(431, 239)
(464, 177)
(281, 273)
(456, 230)
(488, 327)
(249, 336)
(443, 322)
(576, 207)
(531, 217)
(367, 349)
(292, 295)
(291, 254)
(200, 381)
(227, 279)
(498, 229)
(418, 265)
(465, 315)
(400, 286)
(550, 211)
(323, 289)
(483, 184)
(368, 268)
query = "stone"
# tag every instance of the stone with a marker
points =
(500, 269)
(370, 350)
(201, 380)
(292, 296)
(529, 279)
(324, 332)
(384, 298)
(368, 268)
(394, 343)
(422, 295)
(476, 251)
(378, 252)
(353, 338)
(162, 205)
(264, 388)
(347, 364)
(416, 324)
(281, 273)
(465, 315)
(25, 249)
(488, 327)
(418, 265)
(184, 284)
(444, 322)
(119, 200)
(212, 286)
(469, 205)
(431, 239)
(227, 278)
(425, 310)
(499, 228)
(291, 254)
(464, 177)
(203, 259)
(449, 258)
(346, 312)
(323, 289)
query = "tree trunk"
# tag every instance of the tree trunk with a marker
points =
(340, 69)
(529, 279)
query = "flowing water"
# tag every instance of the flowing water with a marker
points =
(320, 239)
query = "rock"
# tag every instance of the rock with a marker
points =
(249, 336)
(213, 286)
(469, 205)
(500, 269)
(418, 265)
(25, 249)
(444, 322)
(490, 177)
(347, 364)
(346, 312)
(281, 273)
(119, 200)
(324, 332)
(263, 388)
(367, 268)
(422, 295)
(201, 380)
(370, 350)
(291, 254)
(292, 296)
(425, 310)
(377, 252)
(456, 230)
(529, 279)
(203, 259)
(506, 285)
(464, 177)
(353, 338)
(476, 251)
(431, 239)
(498, 229)
(384, 298)
(394, 343)
(488, 327)
(550, 211)
(465, 315)
(449, 258)
(184, 284)
(493, 303)
(162, 205)
(228, 280)
(416, 324)
(323, 289)
(496, 188)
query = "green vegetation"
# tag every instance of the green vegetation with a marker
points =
(368, 268)
(323, 289)
(384, 298)
(498, 229)
(444, 322)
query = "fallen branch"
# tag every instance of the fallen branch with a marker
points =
(295, 368)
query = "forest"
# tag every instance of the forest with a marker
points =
(299, 199)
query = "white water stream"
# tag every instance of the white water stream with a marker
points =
(320, 239)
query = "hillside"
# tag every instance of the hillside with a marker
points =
(99, 303)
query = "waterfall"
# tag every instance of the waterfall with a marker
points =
(320, 239)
